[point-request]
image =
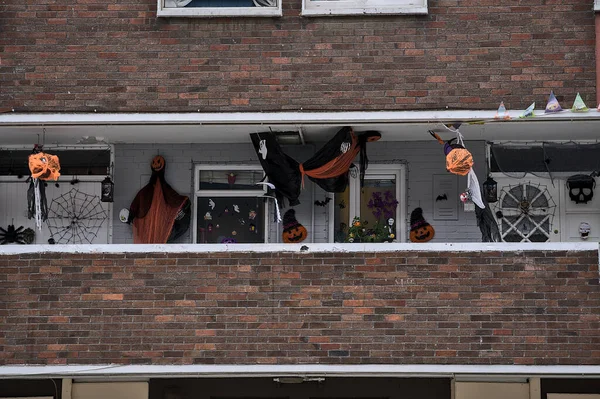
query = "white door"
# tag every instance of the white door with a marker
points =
(75, 213)
(386, 182)
(528, 209)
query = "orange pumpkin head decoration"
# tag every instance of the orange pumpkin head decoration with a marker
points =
(458, 159)
(420, 230)
(44, 166)
(293, 231)
(158, 163)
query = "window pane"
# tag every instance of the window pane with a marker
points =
(219, 3)
(230, 220)
(341, 215)
(230, 179)
(378, 202)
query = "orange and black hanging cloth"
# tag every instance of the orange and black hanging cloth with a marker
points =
(328, 168)
(157, 209)
(330, 165)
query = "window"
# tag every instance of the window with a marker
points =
(219, 8)
(229, 205)
(351, 7)
(380, 202)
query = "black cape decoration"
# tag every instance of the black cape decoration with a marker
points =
(328, 168)
(487, 224)
(281, 169)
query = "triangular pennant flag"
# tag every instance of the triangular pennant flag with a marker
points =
(528, 112)
(579, 105)
(553, 105)
(502, 113)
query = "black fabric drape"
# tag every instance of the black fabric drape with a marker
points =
(281, 169)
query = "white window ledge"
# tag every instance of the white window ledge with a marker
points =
(363, 7)
(318, 11)
(208, 12)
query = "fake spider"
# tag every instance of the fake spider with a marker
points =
(18, 236)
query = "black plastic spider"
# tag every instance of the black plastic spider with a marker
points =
(18, 236)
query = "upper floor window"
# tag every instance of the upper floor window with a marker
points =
(351, 7)
(219, 8)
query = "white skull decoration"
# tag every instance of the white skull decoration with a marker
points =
(584, 230)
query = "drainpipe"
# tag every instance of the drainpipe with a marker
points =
(597, 24)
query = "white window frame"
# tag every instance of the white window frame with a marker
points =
(596, 5)
(377, 171)
(361, 7)
(259, 192)
(198, 12)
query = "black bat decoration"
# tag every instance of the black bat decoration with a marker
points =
(323, 203)
(441, 198)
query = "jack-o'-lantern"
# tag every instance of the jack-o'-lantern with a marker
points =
(420, 230)
(158, 163)
(293, 231)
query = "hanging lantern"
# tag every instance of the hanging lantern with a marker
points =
(108, 188)
(490, 190)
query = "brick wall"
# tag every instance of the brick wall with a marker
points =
(528, 308)
(117, 56)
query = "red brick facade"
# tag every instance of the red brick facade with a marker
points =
(59, 56)
(525, 308)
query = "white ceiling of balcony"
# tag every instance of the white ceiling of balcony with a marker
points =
(162, 128)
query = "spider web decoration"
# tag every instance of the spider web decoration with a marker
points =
(525, 213)
(75, 217)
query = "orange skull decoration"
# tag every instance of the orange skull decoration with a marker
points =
(44, 166)
(158, 163)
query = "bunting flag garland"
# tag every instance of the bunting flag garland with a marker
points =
(579, 105)
(553, 105)
(528, 112)
(502, 113)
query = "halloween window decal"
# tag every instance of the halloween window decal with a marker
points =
(229, 222)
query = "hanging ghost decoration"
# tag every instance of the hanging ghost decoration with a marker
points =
(328, 168)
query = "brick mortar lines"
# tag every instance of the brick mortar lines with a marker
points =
(531, 307)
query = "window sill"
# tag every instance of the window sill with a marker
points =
(220, 12)
(328, 11)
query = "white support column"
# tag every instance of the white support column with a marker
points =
(535, 388)
(67, 386)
